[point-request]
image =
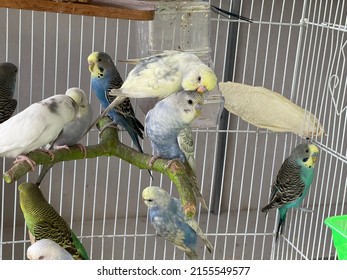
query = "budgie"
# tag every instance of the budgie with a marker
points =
(163, 74)
(292, 182)
(47, 249)
(8, 73)
(168, 118)
(72, 132)
(44, 222)
(167, 217)
(36, 126)
(106, 77)
(164, 123)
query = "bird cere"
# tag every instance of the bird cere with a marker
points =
(180, 81)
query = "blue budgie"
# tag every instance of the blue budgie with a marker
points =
(47, 249)
(170, 222)
(292, 182)
(8, 73)
(74, 131)
(106, 77)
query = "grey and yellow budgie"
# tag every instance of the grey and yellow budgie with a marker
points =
(47, 249)
(292, 182)
(44, 222)
(8, 74)
(170, 222)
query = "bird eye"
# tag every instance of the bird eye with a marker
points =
(99, 59)
(190, 102)
(199, 78)
(305, 159)
(149, 200)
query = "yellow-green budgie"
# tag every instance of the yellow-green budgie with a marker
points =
(44, 222)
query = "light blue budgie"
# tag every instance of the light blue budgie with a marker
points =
(170, 222)
(47, 249)
(8, 73)
(292, 182)
(165, 121)
(74, 131)
(35, 127)
(106, 77)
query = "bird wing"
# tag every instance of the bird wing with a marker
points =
(28, 124)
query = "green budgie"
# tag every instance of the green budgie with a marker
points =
(292, 182)
(45, 223)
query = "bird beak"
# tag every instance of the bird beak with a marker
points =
(201, 89)
(314, 157)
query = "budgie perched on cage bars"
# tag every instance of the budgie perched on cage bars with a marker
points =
(105, 77)
(36, 126)
(8, 74)
(169, 221)
(292, 182)
(74, 131)
(44, 222)
(47, 249)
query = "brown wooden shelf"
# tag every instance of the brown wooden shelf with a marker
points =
(121, 9)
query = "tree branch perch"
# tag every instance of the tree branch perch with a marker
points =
(111, 146)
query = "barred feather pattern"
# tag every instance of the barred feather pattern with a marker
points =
(44, 222)
(8, 72)
(288, 185)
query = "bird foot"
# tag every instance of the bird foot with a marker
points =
(50, 153)
(171, 162)
(82, 148)
(62, 147)
(22, 158)
(152, 160)
(306, 210)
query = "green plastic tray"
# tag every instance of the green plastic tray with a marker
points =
(338, 226)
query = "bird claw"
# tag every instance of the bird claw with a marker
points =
(82, 148)
(50, 153)
(22, 158)
(152, 160)
(62, 147)
(306, 210)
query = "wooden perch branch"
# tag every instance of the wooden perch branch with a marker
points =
(122, 9)
(111, 146)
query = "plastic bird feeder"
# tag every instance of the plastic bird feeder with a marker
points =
(338, 226)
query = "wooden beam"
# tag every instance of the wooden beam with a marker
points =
(120, 9)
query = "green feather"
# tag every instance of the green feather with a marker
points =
(44, 222)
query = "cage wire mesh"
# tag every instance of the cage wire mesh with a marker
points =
(296, 48)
